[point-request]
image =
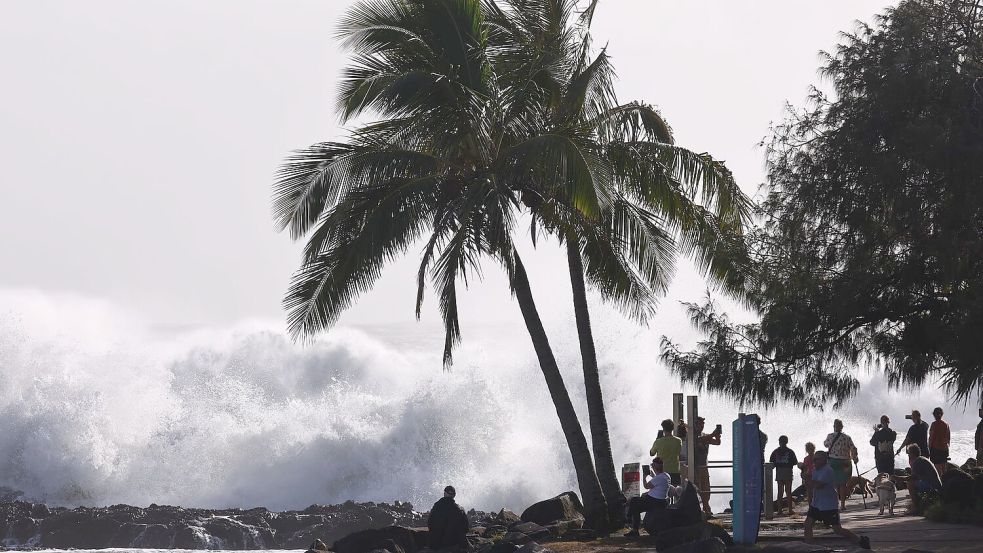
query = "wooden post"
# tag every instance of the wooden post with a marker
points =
(677, 408)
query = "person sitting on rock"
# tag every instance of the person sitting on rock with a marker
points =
(448, 523)
(924, 477)
(659, 488)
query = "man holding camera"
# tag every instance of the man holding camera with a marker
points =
(883, 442)
(917, 433)
(701, 472)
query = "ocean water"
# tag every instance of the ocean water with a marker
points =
(99, 408)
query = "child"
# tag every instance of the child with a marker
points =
(784, 460)
(807, 466)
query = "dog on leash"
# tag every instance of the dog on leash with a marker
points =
(859, 484)
(887, 493)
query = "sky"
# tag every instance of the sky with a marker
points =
(138, 140)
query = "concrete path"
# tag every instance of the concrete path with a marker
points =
(895, 534)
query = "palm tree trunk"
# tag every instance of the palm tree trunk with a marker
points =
(601, 440)
(595, 508)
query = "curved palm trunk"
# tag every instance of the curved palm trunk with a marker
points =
(595, 507)
(601, 441)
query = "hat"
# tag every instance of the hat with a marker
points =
(450, 491)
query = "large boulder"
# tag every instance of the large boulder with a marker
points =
(674, 537)
(395, 539)
(530, 530)
(506, 517)
(566, 506)
(957, 488)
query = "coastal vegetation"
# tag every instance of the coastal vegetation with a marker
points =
(869, 247)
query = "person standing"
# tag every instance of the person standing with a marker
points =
(806, 466)
(938, 441)
(659, 488)
(448, 524)
(701, 471)
(979, 439)
(883, 442)
(822, 507)
(784, 460)
(842, 455)
(668, 447)
(917, 433)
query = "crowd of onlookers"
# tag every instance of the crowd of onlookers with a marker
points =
(827, 475)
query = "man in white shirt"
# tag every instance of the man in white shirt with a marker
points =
(659, 488)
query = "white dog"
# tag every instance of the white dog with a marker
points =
(887, 493)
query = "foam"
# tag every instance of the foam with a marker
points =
(98, 408)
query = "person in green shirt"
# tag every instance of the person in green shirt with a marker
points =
(668, 447)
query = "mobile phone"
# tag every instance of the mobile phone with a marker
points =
(907, 417)
(646, 470)
(718, 429)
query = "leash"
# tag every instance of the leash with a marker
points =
(863, 495)
(864, 472)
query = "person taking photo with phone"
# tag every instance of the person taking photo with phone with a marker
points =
(701, 472)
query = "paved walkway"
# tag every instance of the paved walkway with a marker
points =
(887, 533)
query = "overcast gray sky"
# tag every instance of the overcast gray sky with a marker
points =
(138, 139)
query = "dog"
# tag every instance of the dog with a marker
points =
(887, 493)
(859, 484)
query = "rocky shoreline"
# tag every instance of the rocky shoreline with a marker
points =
(25, 525)
(348, 528)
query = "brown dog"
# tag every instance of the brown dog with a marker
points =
(859, 484)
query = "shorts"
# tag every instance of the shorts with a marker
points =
(938, 456)
(842, 468)
(784, 474)
(702, 480)
(826, 517)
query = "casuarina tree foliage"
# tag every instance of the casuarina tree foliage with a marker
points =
(870, 247)
(480, 112)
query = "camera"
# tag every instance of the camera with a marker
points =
(718, 430)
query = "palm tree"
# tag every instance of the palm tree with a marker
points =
(438, 165)
(660, 198)
(484, 112)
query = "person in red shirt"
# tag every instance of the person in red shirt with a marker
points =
(806, 466)
(938, 441)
